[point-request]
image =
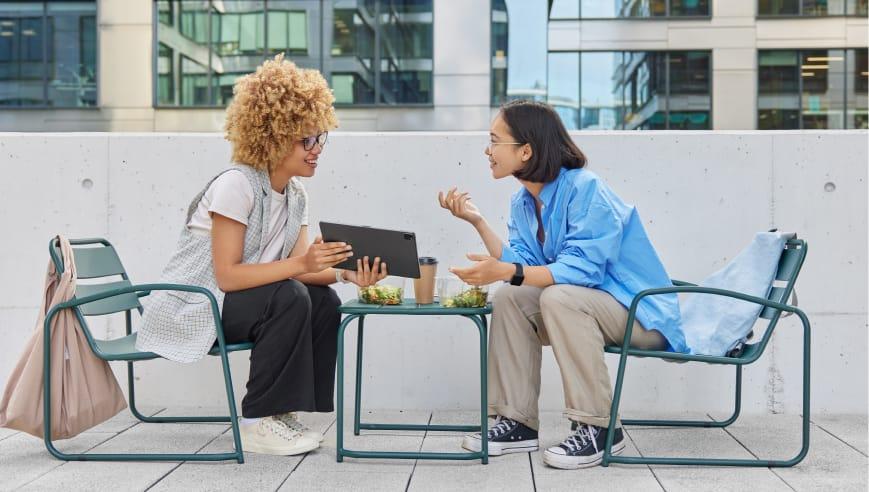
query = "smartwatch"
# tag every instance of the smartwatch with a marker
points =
(519, 276)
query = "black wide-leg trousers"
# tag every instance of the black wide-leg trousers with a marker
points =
(294, 328)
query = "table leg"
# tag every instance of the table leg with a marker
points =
(481, 323)
(484, 406)
(339, 410)
(358, 403)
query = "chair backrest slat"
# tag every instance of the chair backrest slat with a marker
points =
(97, 262)
(789, 261)
(775, 294)
(789, 265)
(99, 259)
(114, 304)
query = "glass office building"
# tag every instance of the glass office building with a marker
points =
(373, 52)
(394, 65)
(48, 54)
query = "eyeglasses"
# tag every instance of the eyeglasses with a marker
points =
(502, 143)
(308, 142)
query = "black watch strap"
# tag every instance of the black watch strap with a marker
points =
(519, 276)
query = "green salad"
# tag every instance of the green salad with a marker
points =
(380, 294)
(471, 298)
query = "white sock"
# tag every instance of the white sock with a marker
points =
(245, 421)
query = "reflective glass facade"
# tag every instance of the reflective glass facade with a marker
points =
(628, 9)
(373, 52)
(48, 54)
(811, 8)
(812, 89)
(645, 90)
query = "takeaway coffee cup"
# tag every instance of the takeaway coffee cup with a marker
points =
(424, 286)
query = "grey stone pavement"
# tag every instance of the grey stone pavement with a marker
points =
(837, 459)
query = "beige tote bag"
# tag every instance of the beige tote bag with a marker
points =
(84, 391)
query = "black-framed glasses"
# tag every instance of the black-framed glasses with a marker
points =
(308, 142)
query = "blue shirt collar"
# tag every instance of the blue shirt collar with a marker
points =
(549, 188)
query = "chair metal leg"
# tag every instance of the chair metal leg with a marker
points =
(357, 408)
(737, 405)
(49, 444)
(804, 448)
(164, 419)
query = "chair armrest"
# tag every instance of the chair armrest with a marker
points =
(142, 288)
(139, 290)
(632, 312)
(682, 283)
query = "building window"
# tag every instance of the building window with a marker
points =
(632, 90)
(812, 89)
(377, 51)
(382, 52)
(811, 8)
(48, 54)
(518, 50)
(627, 9)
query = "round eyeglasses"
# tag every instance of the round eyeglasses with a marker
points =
(308, 142)
(491, 144)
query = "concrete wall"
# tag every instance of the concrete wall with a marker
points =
(702, 196)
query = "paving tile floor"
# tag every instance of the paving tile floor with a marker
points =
(837, 459)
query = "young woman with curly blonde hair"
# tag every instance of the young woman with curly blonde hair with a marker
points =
(245, 238)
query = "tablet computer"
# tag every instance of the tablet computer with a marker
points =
(396, 248)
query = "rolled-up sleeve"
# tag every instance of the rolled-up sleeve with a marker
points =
(516, 250)
(593, 238)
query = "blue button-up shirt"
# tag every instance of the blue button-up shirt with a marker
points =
(594, 239)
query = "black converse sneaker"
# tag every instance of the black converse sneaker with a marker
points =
(505, 436)
(583, 448)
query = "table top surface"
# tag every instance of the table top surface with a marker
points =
(409, 307)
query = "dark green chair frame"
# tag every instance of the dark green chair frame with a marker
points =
(122, 296)
(789, 266)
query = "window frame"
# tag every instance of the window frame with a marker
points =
(801, 15)
(665, 17)
(624, 96)
(847, 111)
(46, 60)
(267, 53)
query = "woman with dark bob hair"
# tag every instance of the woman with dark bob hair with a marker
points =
(576, 257)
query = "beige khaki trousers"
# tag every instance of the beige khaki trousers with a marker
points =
(577, 322)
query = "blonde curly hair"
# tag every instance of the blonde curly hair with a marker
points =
(273, 107)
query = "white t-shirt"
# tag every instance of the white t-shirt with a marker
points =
(231, 195)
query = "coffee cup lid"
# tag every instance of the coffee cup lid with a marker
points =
(428, 260)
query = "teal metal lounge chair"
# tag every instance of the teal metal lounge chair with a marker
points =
(790, 263)
(100, 260)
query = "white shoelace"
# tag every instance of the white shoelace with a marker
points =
(502, 426)
(279, 428)
(580, 438)
(292, 421)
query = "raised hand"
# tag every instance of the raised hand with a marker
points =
(460, 205)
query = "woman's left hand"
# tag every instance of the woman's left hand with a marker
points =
(486, 270)
(364, 275)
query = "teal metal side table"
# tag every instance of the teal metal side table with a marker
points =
(355, 310)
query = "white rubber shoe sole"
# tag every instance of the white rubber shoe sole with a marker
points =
(473, 443)
(564, 462)
(253, 443)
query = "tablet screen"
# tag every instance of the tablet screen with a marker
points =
(396, 248)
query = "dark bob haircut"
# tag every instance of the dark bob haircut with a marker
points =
(537, 124)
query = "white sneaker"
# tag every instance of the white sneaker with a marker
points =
(291, 420)
(271, 436)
